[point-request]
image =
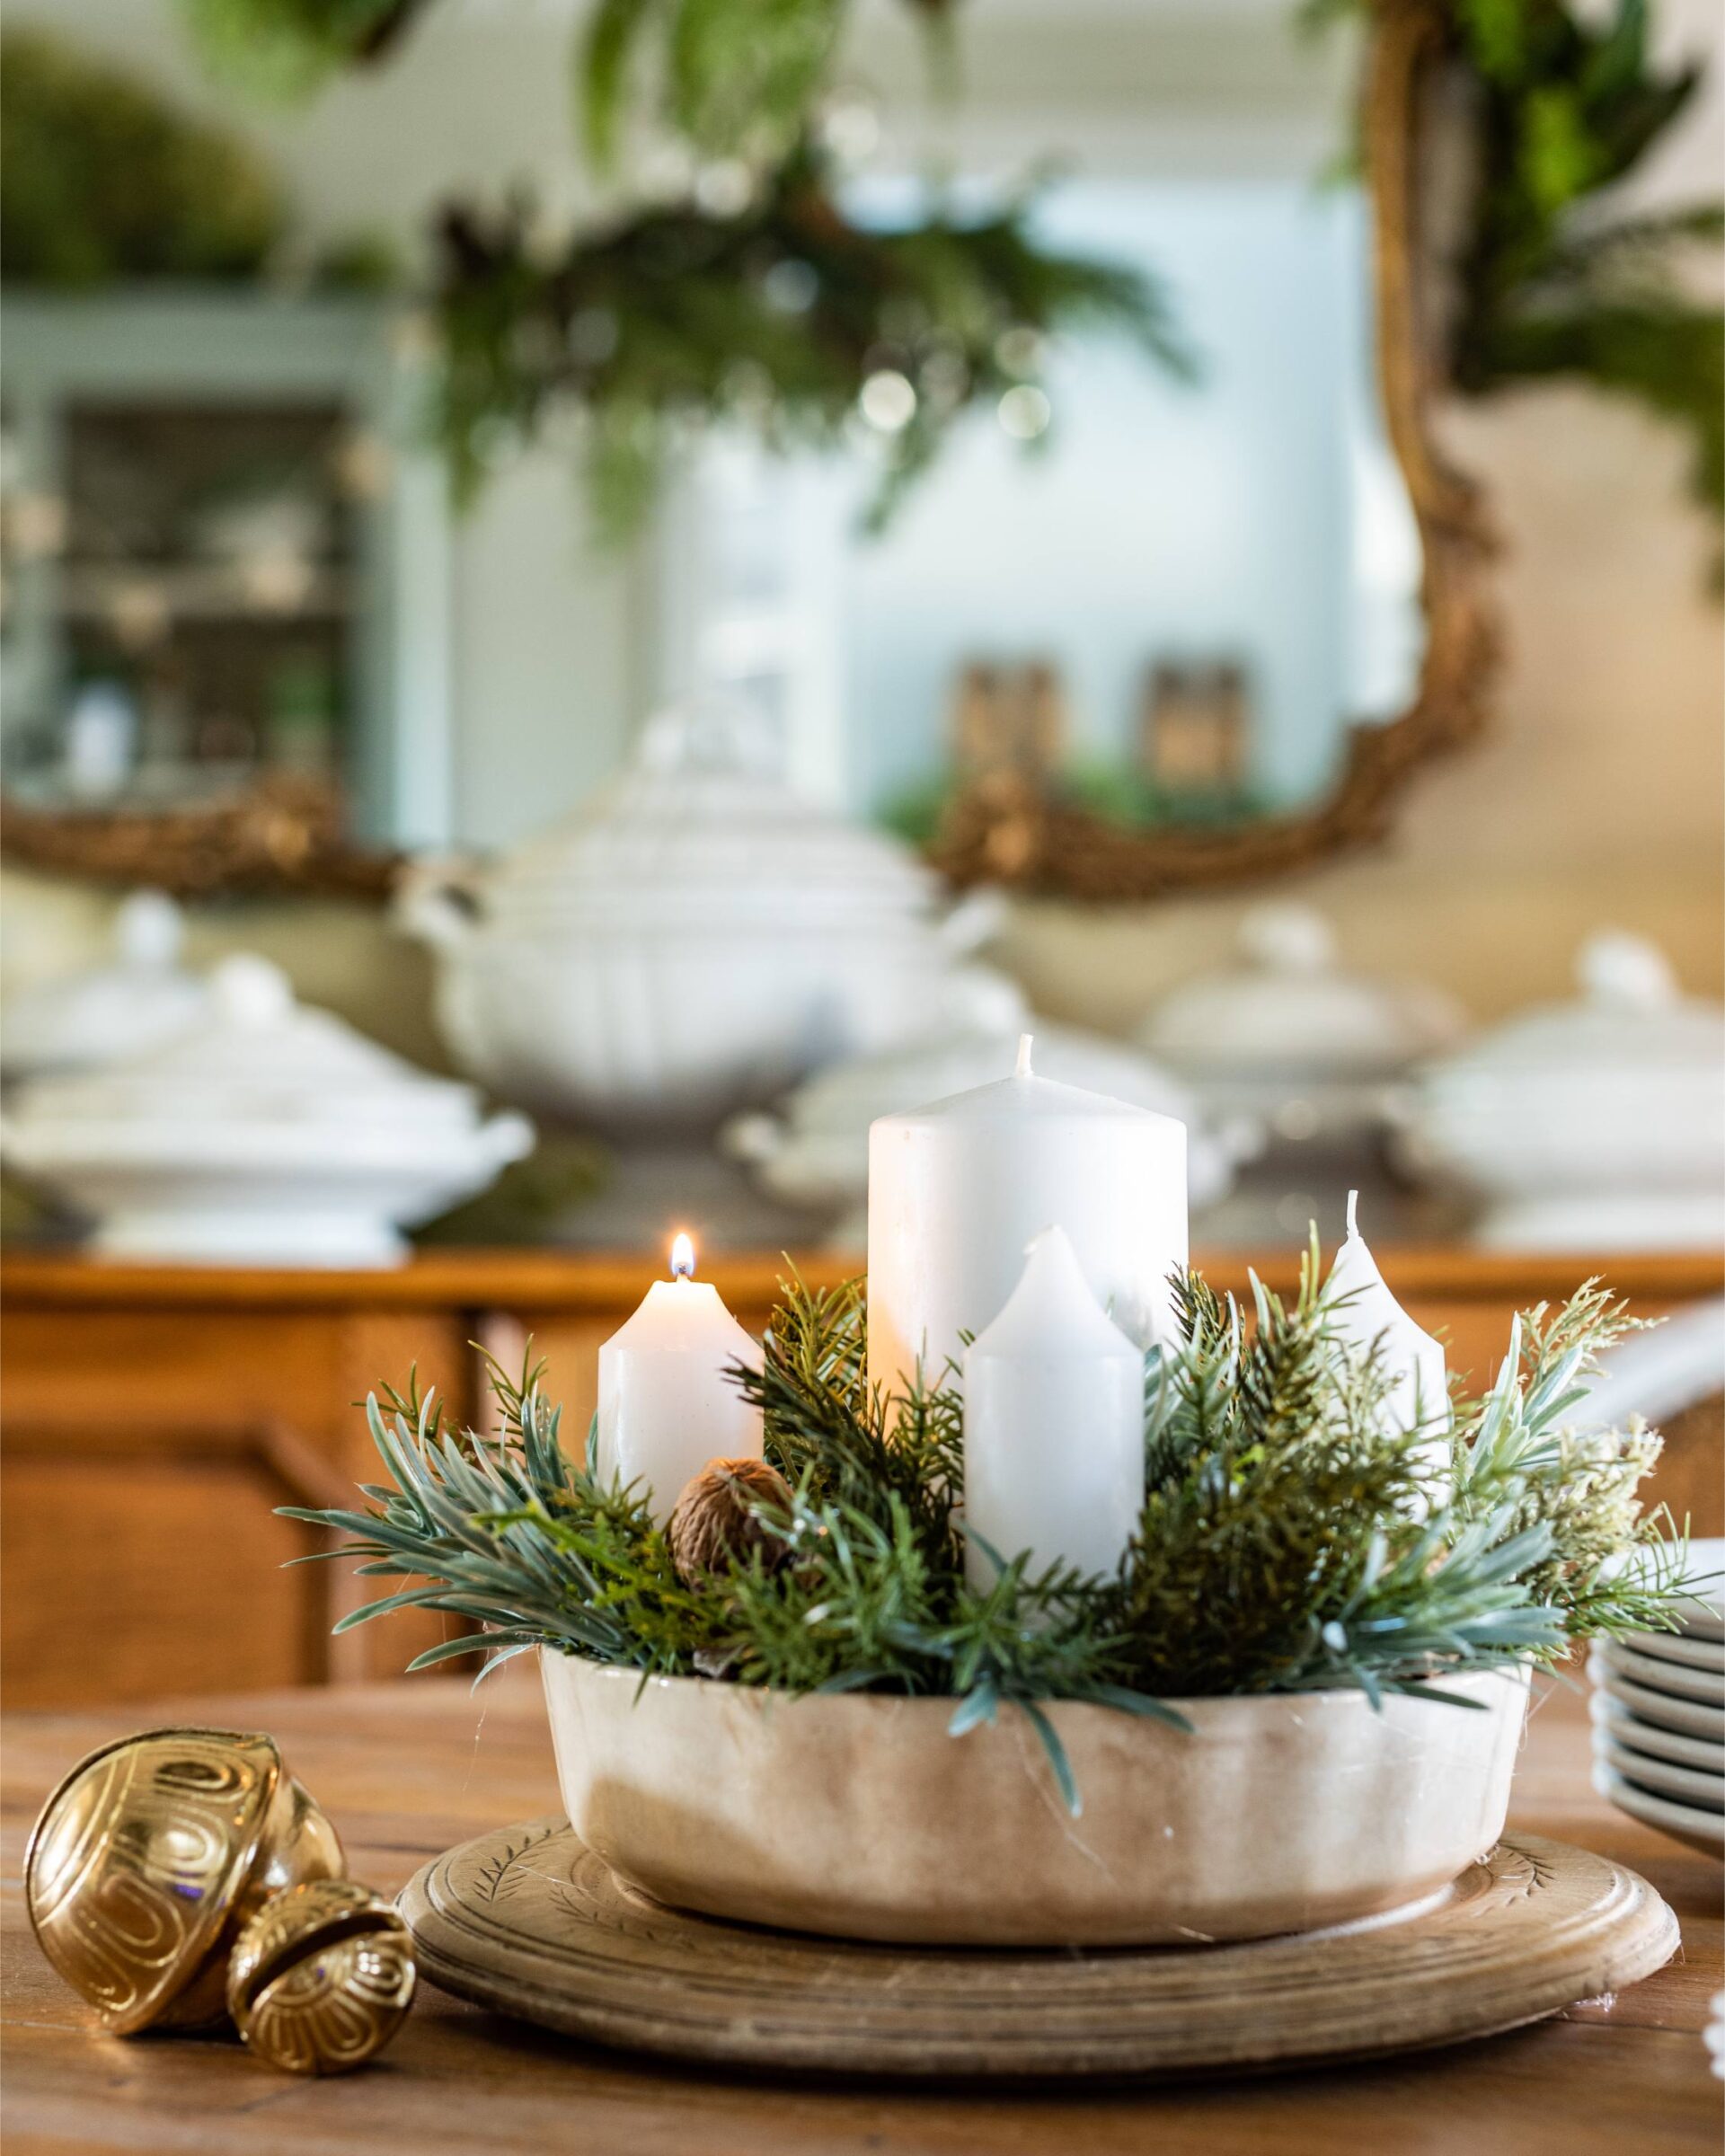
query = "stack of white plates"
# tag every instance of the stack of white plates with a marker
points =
(1659, 1716)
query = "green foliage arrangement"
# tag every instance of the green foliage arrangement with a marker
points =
(1564, 101)
(1289, 1542)
(766, 306)
(733, 77)
(286, 48)
(775, 317)
(99, 179)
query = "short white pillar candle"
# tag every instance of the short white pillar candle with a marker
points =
(1053, 1425)
(1363, 1314)
(958, 1188)
(667, 1405)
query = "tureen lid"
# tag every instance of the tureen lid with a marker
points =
(255, 1056)
(837, 1104)
(133, 1000)
(1288, 1006)
(1630, 1016)
(848, 1096)
(700, 818)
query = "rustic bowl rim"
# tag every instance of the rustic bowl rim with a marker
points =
(1207, 1707)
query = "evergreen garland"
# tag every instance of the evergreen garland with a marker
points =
(776, 317)
(1289, 1540)
(1563, 104)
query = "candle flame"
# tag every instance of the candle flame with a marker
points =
(682, 1257)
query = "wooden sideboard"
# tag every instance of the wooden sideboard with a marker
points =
(154, 1416)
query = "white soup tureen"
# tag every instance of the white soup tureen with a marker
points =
(136, 998)
(689, 944)
(1598, 1124)
(270, 1134)
(1291, 1036)
(813, 1150)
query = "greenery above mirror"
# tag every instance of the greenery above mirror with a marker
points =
(786, 317)
(1563, 101)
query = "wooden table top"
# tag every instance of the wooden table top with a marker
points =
(407, 1769)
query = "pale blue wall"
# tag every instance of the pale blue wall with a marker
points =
(1163, 519)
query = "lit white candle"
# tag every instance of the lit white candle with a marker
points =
(1053, 1425)
(666, 1404)
(1366, 1314)
(957, 1189)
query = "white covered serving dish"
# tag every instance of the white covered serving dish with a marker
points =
(133, 999)
(1596, 1123)
(813, 1150)
(269, 1134)
(692, 941)
(1288, 1035)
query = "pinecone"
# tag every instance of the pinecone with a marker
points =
(710, 1521)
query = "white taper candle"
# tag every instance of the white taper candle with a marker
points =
(1053, 1425)
(1365, 1314)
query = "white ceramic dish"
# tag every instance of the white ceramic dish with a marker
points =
(813, 1149)
(860, 1817)
(695, 940)
(1592, 1125)
(1289, 1036)
(1683, 1785)
(1701, 1830)
(1627, 1727)
(270, 1134)
(138, 998)
(1689, 1717)
(1707, 1656)
(1682, 1682)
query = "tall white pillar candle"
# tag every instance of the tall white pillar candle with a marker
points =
(1363, 1314)
(666, 1404)
(957, 1189)
(1053, 1425)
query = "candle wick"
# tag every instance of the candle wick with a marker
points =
(1021, 1068)
(1353, 1213)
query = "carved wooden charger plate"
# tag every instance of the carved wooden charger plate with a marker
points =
(528, 1921)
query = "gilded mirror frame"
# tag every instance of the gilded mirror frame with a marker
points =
(999, 831)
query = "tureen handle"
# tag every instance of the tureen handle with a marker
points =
(972, 922)
(437, 908)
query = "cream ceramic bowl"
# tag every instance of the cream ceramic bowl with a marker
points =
(861, 1818)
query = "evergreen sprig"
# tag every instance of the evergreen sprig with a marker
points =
(1294, 1536)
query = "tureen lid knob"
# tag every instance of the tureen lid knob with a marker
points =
(1626, 972)
(1288, 939)
(251, 991)
(148, 928)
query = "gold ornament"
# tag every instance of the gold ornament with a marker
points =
(322, 1978)
(711, 1522)
(154, 1854)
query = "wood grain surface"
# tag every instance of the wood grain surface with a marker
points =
(409, 1769)
(528, 1920)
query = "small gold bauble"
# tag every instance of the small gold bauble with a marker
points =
(322, 1978)
(151, 1857)
(712, 1523)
